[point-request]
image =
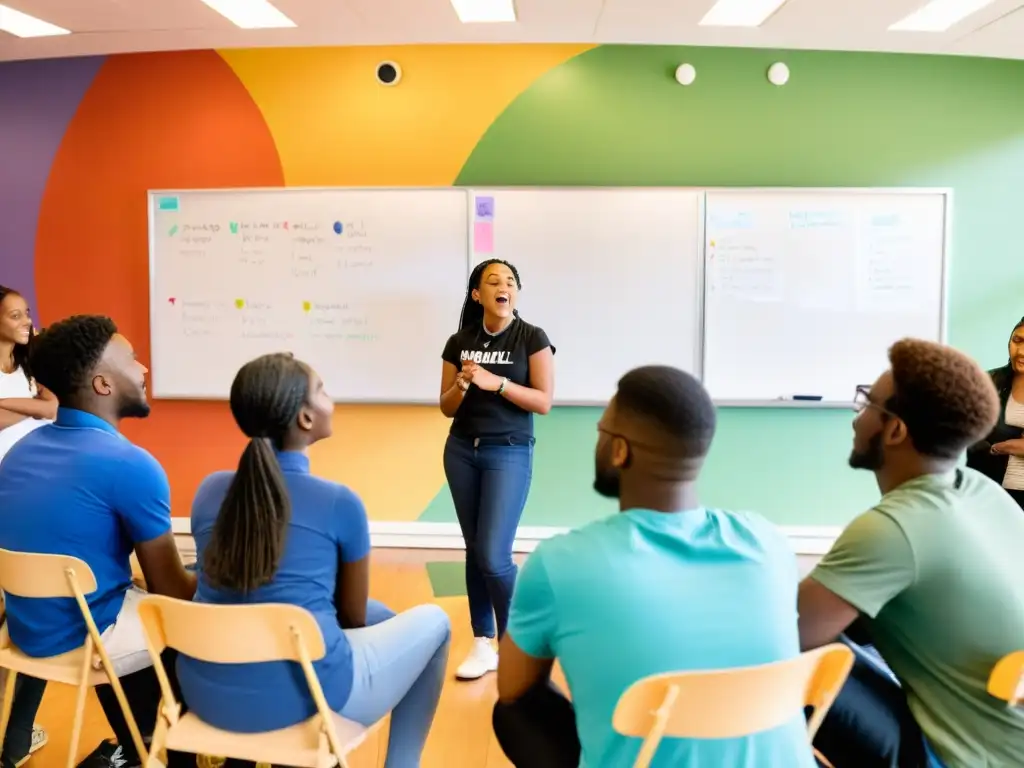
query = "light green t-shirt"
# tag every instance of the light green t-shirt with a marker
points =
(937, 567)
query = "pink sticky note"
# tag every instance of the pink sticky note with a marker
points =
(483, 237)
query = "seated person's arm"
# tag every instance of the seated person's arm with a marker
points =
(526, 655)
(42, 406)
(162, 568)
(143, 502)
(353, 536)
(870, 564)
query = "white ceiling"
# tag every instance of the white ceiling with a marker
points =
(116, 26)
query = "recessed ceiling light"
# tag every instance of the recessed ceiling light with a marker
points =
(740, 13)
(939, 15)
(251, 14)
(22, 25)
(484, 11)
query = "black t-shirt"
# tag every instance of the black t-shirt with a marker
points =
(506, 354)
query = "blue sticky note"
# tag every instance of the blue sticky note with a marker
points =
(338, 228)
(168, 203)
(485, 208)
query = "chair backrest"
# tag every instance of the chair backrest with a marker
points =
(32, 575)
(1007, 679)
(231, 634)
(721, 704)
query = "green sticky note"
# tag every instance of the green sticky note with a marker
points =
(167, 203)
(234, 227)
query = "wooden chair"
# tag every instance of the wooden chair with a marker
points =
(243, 634)
(1007, 679)
(721, 704)
(43, 576)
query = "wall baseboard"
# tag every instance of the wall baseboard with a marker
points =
(807, 540)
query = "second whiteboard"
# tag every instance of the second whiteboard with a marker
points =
(612, 275)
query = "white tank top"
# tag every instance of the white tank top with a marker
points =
(1014, 477)
(16, 384)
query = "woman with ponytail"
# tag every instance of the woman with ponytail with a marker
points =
(498, 371)
(271, 532)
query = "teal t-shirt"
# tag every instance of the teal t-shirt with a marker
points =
(644, 592)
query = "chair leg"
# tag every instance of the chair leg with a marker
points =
(157, 757)
(76, 724)
(129, 716)
(5, 714)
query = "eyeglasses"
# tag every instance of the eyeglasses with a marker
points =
(624, 438)
(862, 399)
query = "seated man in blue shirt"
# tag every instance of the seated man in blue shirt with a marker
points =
(666, 585)
(78, 487)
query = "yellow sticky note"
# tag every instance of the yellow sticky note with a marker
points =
(712, 243)
(306, 306)
(240, 303)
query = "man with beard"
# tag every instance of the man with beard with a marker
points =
(931, 576)
(78, 487)
(665, 585)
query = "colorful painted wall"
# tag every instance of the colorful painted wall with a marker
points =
(81, 140)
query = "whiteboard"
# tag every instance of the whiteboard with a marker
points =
(612, 275)
(805, 290)
(364, 284)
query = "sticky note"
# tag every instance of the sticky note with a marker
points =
(483, 237)
(240, 303)
(234, 227)
(167, 203)
(306, 306)
(485, 208)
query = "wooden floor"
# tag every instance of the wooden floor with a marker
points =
(461, 736)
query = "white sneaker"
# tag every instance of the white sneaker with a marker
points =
(39, 739)
(481, 660)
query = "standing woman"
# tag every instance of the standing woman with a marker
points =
(498, 371)
(24, 406)
(1000, 456)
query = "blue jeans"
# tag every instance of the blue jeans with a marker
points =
(489, 481)
(398, 666)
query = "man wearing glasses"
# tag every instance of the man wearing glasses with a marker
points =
(931, 574)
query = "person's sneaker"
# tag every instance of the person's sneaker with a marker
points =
(107, 755)
(481, 660)
(39, 739)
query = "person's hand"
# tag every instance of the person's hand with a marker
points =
(463, 380)
(484, 379)
(1013, 447)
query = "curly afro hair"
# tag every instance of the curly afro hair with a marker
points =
(943, 396)
(65, 354)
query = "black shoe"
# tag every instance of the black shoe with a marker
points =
(108, 754)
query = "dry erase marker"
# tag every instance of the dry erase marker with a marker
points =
(802, 398)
